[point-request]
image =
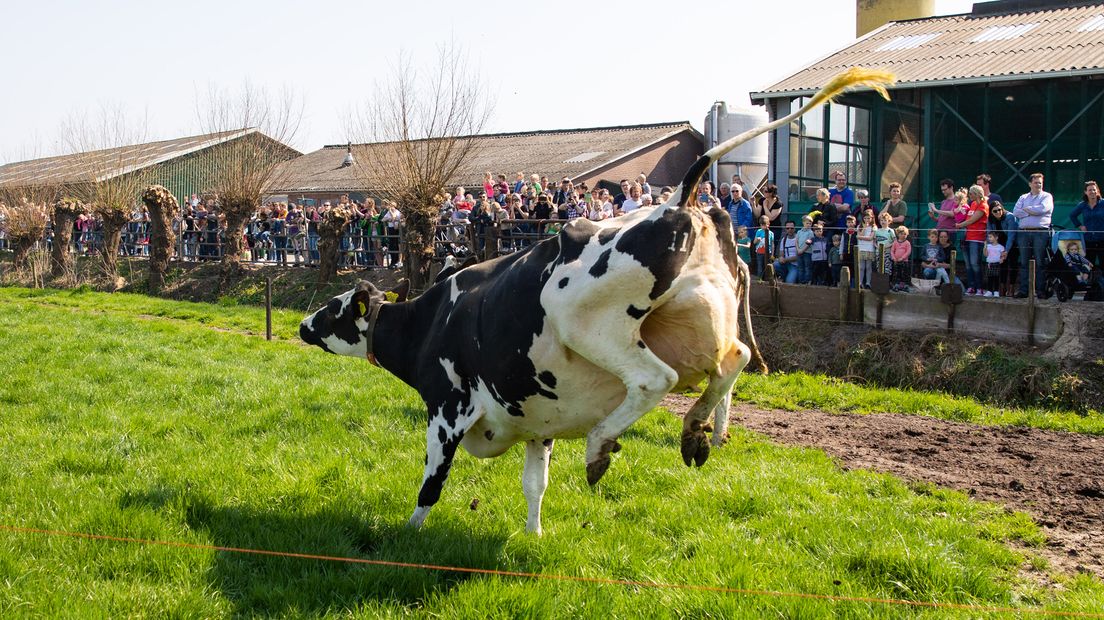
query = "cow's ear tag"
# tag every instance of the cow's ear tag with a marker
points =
(363, 308)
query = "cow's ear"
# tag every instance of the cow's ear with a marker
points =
(401, 290)
(361, 302)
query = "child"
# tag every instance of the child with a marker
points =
(804, 245)
(1076, 261)
(819, 251)
(835, 258)
(866, 248)
(849, 242)
(743, 244)
(933, 259)
(762, 244)
(994, 256)
(884, 236)
(901, 252)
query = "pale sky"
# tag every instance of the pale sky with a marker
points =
(555, 65)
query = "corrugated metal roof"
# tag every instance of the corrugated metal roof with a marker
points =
(108, 163)
(555, 153)
(967, 47)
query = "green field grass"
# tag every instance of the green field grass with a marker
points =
(145, 418)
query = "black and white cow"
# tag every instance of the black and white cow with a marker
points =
(578, 336)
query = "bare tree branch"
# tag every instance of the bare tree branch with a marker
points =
(105, 172)
(257, 127)
(413, 135)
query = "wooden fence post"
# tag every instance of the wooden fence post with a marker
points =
(951, 306)
(776, 297)
(858, 270)
(1031, 302)
(845, 292)
(268, 307)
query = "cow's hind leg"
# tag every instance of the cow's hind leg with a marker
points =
(447, 425)
(534, 479)
(695, 445)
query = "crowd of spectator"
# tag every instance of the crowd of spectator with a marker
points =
(842, 228)
(994, 244)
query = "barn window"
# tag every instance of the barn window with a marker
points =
(827, 140)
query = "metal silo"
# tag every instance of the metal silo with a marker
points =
(749, 160)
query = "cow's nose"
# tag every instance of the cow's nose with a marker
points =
(306, 335)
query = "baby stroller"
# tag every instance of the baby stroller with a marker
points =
(1064, 275)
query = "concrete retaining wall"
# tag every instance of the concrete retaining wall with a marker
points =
(1004, 320)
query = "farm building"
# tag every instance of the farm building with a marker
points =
(663, 151)
(183, 165)
(1012, 88)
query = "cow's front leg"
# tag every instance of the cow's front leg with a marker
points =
(534, 479)
(647, 380)
(443, 436)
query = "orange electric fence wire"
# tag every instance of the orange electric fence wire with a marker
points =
(594, 580)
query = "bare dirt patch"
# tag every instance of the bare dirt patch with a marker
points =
(1056, 477)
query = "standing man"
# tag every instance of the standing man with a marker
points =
(842, 197)
(1033, 212)
(984, 181)
(749, 192)
(944, 215)
(739, 209)
(1088, 217)
(785, 267)
(632, 203)
(619, 199)
(563, 194)
(705, 195)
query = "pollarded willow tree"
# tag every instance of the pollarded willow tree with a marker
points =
(416, 131)
(163, 207)
(64, 214)
(330, 228)
(26, 225)
(104, 176)
(26, 200)
(257, 129)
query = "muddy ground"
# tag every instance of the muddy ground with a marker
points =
(1056, 477)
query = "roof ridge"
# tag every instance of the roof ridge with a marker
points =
(208, 136)
(546, 132)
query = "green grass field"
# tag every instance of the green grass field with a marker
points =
(145, 418)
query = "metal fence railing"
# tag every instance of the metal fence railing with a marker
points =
(377, 247)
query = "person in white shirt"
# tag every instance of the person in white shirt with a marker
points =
(1033, 213)
(632, 203)
(392, 217)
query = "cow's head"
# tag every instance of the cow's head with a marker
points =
(342, 325)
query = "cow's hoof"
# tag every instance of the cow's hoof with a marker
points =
(597, 469)
(695, 447)
(719, 439)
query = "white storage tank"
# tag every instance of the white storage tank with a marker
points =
(749, 160)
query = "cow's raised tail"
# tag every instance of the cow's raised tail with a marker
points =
(855, 77)
(744, 276)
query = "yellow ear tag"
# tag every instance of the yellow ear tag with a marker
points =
(363, 309)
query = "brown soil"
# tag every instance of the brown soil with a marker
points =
(1056, 477)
